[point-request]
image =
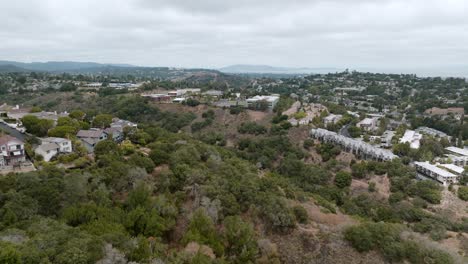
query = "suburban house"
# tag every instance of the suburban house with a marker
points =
(91, 137)
(158, 97)
(213, 93)
(332, 119)
(117, 127)
(52, 146)
(368, 124)
(121, 123)
(271, 100)
(20, 113)
(13, 152)
(183, 92)
(413, 138)
(116, 133)
(386, 138)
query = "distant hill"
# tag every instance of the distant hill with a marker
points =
(244, 68)
(11, 68)
(58, 66)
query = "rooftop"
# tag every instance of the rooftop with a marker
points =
(426, 165)
(90, 133)
(4, 139)
(454, 168)
(268, 98)
(458, 151)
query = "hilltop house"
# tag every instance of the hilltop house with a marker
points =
(91, 137)
(13, 152)
(52, 146)
(332, 119)
(117, 127)
(368, 124)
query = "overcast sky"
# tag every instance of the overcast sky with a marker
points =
(216, 33)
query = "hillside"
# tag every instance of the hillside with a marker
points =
(11, 68)
(245, 68)
(57, 66)
(209, 185)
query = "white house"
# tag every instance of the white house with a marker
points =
(270, 99)
(413, 138)
(445, 174)
(458, 156)
(368, 124)
(332, 119)
(52, 146)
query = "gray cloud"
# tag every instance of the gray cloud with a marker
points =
(213, 33)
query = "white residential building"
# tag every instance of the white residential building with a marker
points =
(52, 146)
(368, 124)
(272, 100)
(458, 156)
(442, 173)
(182, 92)
(359, 148)
(413, 138)
(386, 138)
(332, 119)
(432, 132)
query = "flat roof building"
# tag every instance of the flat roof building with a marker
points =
(440, 173)
(457, 151)
(359, 148)
(432, 132)
(413, 138)
(272, 100)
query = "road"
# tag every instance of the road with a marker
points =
(13, 132)
(344, 131)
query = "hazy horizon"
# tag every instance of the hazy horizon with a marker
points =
(386, 34)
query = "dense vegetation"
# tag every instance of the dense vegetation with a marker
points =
(167, 196)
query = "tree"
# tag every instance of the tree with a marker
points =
(252, 128)
(354, 131)
(240, 237)
(35, 109)
(359, 170)
(343, 179)
(68, 87)
(8, 254)
(463, 193)
(202, 230)
(301, 214)
(402, 149)
(106, 147)
(142, 162)
(62, 131)
(77, 114)
(102, 121)
(36, 126)
(308, 143)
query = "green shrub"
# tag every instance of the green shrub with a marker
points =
(301, 214)
(343, 179)
(463, 193)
